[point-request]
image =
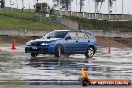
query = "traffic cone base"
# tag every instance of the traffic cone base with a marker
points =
(13, 52)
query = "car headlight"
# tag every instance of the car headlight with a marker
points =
(28, 43)
(43, 44)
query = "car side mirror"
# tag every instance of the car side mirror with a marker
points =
(68, 37)
(49, 37)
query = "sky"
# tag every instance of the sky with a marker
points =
(89, 5)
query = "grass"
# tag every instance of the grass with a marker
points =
(12, 82)
(10, 20)
(22, 15)
(24, 20)
(125, 26)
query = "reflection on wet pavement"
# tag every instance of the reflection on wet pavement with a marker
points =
(20, 66)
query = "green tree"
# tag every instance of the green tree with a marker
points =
(2, 3)
(96, 5)
(81, 4)
(110, 3)
(42, 7)
(66, 4)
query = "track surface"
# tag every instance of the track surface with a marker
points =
(16, 65)
(59, 86)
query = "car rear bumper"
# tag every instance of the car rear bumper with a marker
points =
(95, 50)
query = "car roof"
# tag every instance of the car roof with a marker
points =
(61, 30)
(76, 31)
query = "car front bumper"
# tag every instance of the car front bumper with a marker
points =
(40, 49)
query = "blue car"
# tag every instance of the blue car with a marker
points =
(60, 42)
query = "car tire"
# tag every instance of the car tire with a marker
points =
(58, 51)
(90, 52)
(34, 54)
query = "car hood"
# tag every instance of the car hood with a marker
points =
(39, 41)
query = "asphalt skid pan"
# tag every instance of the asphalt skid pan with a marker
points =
(48, 69)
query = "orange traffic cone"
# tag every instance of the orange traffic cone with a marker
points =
(14, 45)
(109, 51)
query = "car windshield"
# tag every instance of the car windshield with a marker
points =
(55, 34)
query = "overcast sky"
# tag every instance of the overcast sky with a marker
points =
(89, 7)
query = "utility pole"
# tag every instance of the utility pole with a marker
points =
(109, 9)
(69, 9)
(129, 10)
(122, 10)
(47, 8)
(29, 6)
(22, 5)
(41, 12)
(59, 6)
(76, 5)
(89, 8)
(115, 11)
(10, 5)
(95, 9)
(41, 7)
(76, 9)
(17, 4)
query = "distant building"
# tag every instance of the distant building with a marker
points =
(42, 8)
(2, 3)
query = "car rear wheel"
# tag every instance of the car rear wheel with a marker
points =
(34, 54)
(90, 52)
(58, 51)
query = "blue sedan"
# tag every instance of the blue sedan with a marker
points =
(60, 42)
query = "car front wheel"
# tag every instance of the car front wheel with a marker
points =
(90, 52)
(34, 54)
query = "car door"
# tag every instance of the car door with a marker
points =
(83, 41)
(71, 45)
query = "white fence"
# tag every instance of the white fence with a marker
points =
(99, 16)
(22, 33)
(42, 33)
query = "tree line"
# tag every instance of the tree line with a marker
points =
(66, 4)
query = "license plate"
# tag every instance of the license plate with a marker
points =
(34, 48)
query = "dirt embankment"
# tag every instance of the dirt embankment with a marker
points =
(101, 41)
(19, 40)
(114, 42)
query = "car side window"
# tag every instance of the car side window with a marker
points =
(91, 36)
(73, 35)
(82, 35)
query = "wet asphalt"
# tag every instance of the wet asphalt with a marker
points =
(60, 86)
(46, 69)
